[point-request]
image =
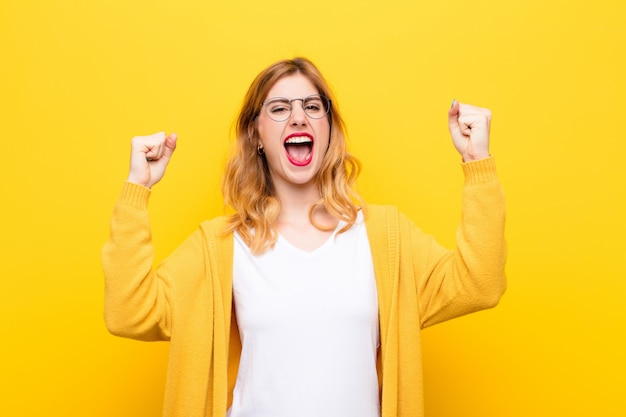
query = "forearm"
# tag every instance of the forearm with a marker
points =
(471, 277)
(136, 297)
(480, 236)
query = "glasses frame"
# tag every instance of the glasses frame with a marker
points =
(302, 101)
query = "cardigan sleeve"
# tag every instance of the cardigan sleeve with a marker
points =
(451, 283)
(138, 299)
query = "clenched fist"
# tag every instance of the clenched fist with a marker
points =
(469, 127)
(149, 157)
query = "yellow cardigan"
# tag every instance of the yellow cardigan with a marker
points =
(188, 298)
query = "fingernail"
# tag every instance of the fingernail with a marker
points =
(452, 105)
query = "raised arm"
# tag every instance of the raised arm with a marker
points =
(137, 298)
(471, 277)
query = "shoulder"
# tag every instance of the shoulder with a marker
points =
(378, 212)
(380, 221)
(383, 214)
(214, 223)
(217, 241)
(216, 228)
(388, 220)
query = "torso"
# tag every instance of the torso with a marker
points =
(308, 321)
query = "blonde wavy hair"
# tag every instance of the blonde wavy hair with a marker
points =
(247, 186)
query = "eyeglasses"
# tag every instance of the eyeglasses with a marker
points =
(279, 109)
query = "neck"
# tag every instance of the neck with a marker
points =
(296, 201)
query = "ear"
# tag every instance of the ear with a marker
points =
(251, 131)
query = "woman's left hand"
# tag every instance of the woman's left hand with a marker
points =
(469, 127)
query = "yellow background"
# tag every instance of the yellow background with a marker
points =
(79, 78)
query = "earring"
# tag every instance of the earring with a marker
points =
(260, 150)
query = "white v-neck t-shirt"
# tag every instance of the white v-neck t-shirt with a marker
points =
(308, 323)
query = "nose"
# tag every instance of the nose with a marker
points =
(298, 116)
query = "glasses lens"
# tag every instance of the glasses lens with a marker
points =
(316, 106)
(278, 109)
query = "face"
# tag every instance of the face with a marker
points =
(294, 148)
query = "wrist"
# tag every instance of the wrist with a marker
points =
(134, 179)
(475, 156)
(479, 171)
(135, 194)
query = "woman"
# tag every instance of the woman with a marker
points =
(304, 302)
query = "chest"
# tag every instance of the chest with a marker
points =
(331, 285)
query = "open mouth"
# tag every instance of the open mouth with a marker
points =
(299, 149)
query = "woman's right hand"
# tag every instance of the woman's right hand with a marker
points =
(149, 157)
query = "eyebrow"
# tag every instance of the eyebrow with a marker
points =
(285, 99)
(278, 100)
